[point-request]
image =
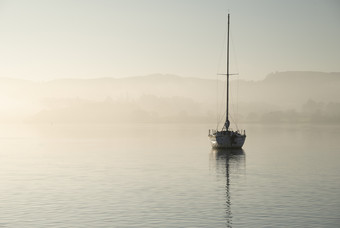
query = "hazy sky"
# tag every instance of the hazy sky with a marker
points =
(47, 39)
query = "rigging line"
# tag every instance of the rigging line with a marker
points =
(234, 118)
(222, 117)
(235, 122)
(237, 98)
(234, 53)
(219, 66)
(221, 106)
(234, 114)
(238, 80)
(237, 68)
(216, 102)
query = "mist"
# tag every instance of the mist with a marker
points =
(282, 97)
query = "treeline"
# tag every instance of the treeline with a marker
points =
(311, 112)
(147, 109)
(152, 109)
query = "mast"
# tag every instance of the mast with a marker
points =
(227, 123)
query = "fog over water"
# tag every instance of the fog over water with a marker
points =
(281, 97)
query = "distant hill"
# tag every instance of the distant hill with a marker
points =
(166, 97)
(293, 87)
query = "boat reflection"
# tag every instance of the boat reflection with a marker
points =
(228, 162)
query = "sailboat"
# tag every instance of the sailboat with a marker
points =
(227, 138)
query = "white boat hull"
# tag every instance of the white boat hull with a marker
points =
(227, 139)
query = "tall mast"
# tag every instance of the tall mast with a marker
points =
(227, 123)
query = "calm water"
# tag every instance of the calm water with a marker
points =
(168, 176)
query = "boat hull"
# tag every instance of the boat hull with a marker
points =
(227, 139)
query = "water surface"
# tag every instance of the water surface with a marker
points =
(166, 175)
